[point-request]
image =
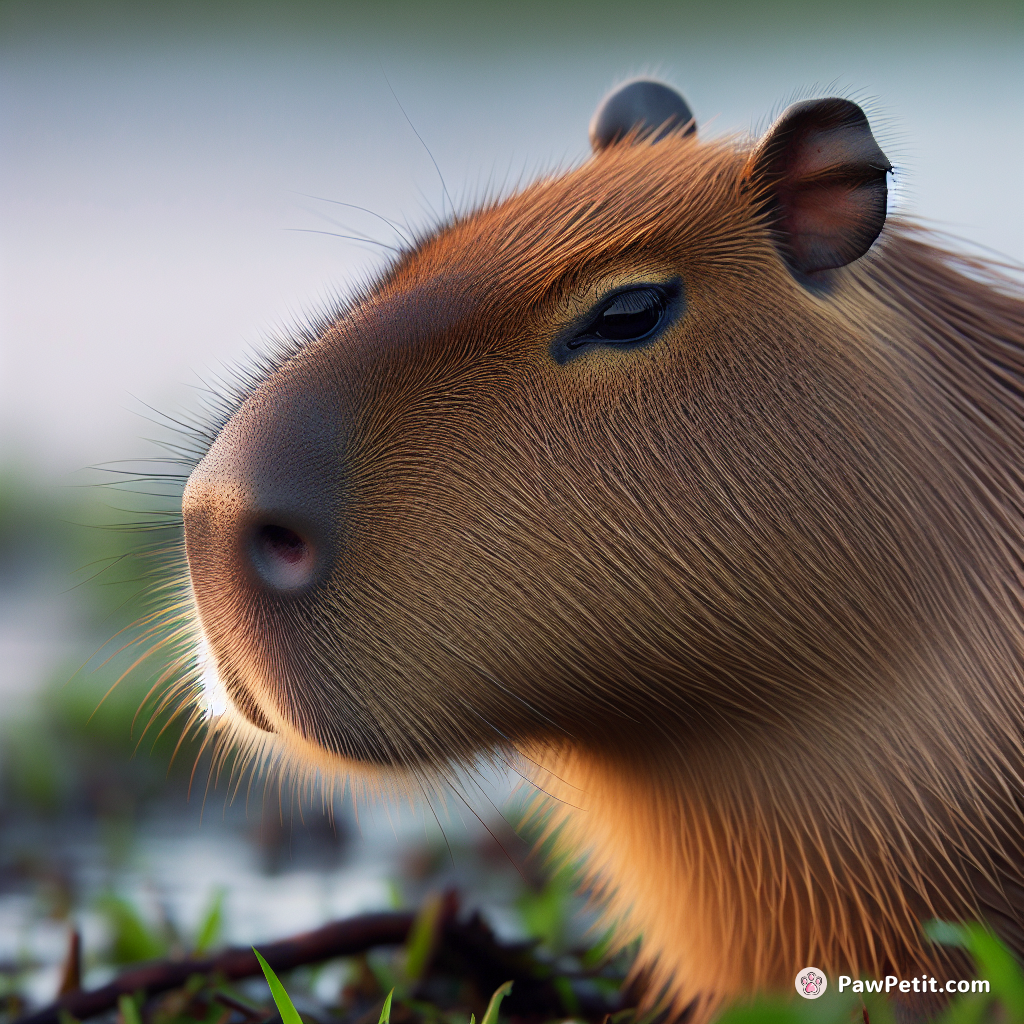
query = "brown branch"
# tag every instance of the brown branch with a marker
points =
(342, 938)
(71, 972)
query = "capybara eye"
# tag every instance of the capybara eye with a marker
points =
(630, 315)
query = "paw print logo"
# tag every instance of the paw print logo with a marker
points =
(811, 983)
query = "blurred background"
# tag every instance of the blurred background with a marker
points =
(170, 179)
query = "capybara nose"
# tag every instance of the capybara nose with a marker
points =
(283, 558)
(259, 507)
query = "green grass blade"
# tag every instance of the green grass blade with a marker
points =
(385, 1010)
(213, 924)
(283, 1001)
(423, 938)
(129, 1011)
(491, 1016)
(134, 940)
(993, 962)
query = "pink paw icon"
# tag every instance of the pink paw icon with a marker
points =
(811, 983)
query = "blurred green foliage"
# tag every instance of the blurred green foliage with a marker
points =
(548, 904)
(129, 1010)
(212, 926)
(422, 940)
(458, 21)
(72, 744)
(545, 911)
(208, 1000)
(993, 962)
(85, 747)
(1004, 1004)
(132, 940)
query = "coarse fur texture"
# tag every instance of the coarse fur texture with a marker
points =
(746, 600)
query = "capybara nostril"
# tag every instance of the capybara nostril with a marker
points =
(283, 559)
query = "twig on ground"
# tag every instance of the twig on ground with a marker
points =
(342, 938)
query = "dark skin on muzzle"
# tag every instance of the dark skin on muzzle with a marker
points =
(690, 485)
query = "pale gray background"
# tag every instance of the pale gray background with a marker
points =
(152, 163)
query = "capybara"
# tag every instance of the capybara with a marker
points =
(690, 486)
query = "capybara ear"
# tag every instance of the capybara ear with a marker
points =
(820, 177)
(641, 109)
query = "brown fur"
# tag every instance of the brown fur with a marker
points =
(748, 600)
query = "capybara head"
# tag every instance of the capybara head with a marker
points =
(561, 453)
(654, 474)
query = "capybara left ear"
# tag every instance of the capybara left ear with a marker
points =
(640, 109)
(819, 175)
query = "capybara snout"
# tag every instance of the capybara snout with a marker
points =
(263, 516)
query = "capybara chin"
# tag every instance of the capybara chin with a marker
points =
(686, 481)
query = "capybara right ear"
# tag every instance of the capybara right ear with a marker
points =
(640, 109)
(819, 176)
